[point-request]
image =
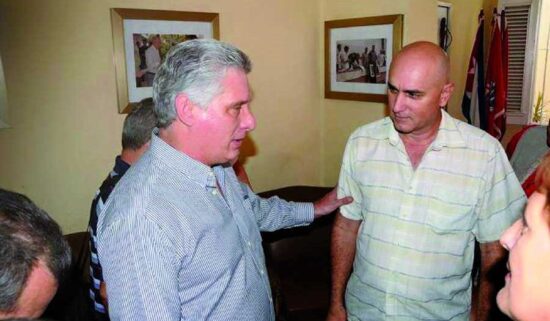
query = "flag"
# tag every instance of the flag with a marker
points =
(473, 102)
(495, 96)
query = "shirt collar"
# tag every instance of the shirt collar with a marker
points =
(120, 166)
(448, 134)
(181, 163)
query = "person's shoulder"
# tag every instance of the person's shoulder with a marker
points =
(134, 189)
(475, 137)
(376, 130)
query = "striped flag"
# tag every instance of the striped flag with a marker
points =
(473, 102)
(495, 94)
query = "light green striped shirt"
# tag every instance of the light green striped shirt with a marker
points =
(415, 246)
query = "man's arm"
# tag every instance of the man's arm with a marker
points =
(274, 213)
(502, 202)
(103, 295)
(492, 254)
(140, 269)
(344, 236)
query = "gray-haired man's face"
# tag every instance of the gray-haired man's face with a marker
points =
(220, 129)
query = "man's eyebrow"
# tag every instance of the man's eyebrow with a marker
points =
(241, 102)
(414, 92)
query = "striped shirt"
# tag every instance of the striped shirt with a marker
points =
(101, 196)
(173, 247)
(415, 245)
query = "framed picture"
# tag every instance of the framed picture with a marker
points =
(3, 99)
(141, 39)
(358, 53)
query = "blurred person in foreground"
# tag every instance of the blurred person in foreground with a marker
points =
(34, 257)
(526, 293)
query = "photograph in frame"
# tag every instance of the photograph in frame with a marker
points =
(150, 51)
(361, 60)
(358, 53)
(141, 40)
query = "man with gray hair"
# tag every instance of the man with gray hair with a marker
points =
(136, 135)
(34, 257)
(180, 237)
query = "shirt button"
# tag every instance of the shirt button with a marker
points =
(214, 192)
(270, 300)
(262, 272)
(249, 243)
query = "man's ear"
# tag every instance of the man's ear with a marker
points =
(184, 109)
(446, 93)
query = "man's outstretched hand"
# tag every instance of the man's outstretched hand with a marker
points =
(330, 202)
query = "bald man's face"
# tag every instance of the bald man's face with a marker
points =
(417, 90)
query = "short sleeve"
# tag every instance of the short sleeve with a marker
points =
(347, 184)
(502, 200)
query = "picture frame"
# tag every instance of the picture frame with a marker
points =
(135, 31)
(3, 99)
(358, 53)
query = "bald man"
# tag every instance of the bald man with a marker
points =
(425, 187)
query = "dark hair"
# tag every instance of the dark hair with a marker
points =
(27, 235)
(138, 125)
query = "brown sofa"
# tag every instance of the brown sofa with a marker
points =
(298, 260)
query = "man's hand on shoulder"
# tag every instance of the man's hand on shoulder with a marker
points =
(329, 203)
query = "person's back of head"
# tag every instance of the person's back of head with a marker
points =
(138, 125)
(34, 257)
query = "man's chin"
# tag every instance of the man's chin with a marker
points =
(400, 126)
(503, 301)
(232, 157)
(401, 129)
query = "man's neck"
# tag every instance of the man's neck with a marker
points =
(130, 156)
(175, 136)
(416, 144)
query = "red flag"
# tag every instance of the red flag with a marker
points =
(495, 96)
(473, 101)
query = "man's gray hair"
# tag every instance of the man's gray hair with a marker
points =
(28, 235)
(138, 125)
(196, 68)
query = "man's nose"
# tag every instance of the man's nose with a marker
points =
(248, 121)
(398, 103)
(511, 235)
